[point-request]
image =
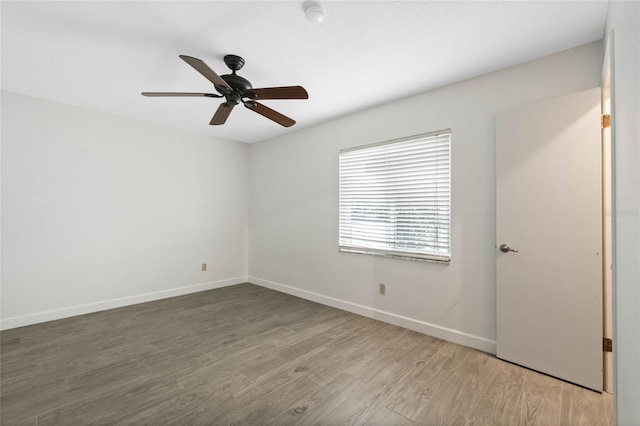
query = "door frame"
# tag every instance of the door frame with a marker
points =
(607, 224)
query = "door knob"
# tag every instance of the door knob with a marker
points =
(506, 249)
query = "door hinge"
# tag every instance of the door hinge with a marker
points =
(607, 345)
(605, 121)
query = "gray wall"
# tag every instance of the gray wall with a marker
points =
(101, 211)
(623, 39)
(294, 203)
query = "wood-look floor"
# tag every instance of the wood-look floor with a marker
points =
(249, 355)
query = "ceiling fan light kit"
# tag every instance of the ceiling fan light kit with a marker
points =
(236, 89)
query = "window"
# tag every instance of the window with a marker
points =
(395, 198)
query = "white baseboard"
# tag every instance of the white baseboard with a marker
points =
(445, 333)
(71, 311)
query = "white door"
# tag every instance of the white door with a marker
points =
(549, 291)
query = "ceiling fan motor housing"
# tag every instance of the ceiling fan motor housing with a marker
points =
(238, 83)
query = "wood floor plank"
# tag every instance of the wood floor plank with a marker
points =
(75, 361)
(16, 368)
(176, 405)
(40, 398)
(581, 406)
(349, 327)
(26, 382)
(218, 411)
(331, 404)
(411, 397)
(36, 334)
(283, 355)
(109, 408)
(184, 349)
(279, 401)
(536, 410)
(232, 352)
(336, 362)
(18, 349)
(459, 392)
(607, 401)
(382, 388)
(341, 343)
(263, 385)
(304, 364)
(249, 355)
(542, 386)
(393, 348)
(24, 358)
(236, 352)
(501, 402)
(113, 375)
(26, 403)
(540, 403)
(322, 321)
(293, 367)
(383, 416)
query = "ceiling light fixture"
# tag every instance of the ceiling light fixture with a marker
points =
(313, 12)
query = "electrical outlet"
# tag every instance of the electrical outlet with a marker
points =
(383, 289)
(204, 267)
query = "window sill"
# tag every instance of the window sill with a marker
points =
(397, 255)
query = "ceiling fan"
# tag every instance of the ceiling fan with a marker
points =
(236, 89)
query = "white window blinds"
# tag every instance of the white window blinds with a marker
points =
(395, 198)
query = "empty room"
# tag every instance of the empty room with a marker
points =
(320, 212)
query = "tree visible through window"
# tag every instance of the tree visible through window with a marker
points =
(395, 198)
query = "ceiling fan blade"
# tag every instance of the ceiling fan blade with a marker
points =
(265, 111)
(220, 85)
(157, 94)
(222, 113)
(288, 92)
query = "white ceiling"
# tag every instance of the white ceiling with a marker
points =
(101, 55)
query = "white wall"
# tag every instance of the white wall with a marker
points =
(293, 221)
(623, 37)
(101, 211)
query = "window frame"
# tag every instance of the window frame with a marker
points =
(398, 253)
